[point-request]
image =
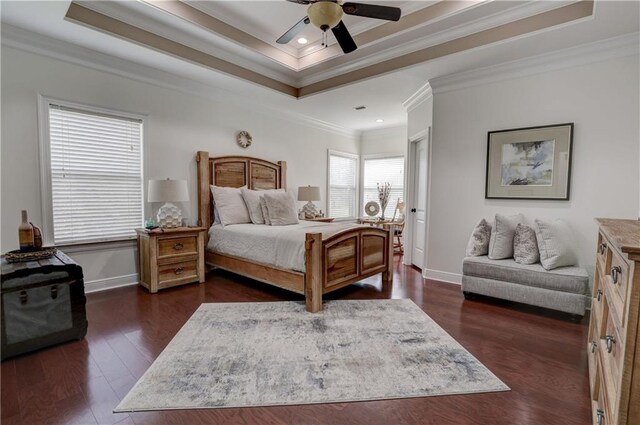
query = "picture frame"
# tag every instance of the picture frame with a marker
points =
(530, 163)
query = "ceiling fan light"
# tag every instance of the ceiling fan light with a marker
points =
(325, 14)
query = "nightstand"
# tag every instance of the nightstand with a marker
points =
(321, 219)
(171, 257)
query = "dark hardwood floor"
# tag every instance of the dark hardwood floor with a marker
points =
(540, 355)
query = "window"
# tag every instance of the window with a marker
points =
(94, 161)
(382, 170)
(343, 185)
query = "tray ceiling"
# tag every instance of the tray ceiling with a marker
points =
(380, 74)
(237, 38)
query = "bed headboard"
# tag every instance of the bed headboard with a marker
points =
(234, 171)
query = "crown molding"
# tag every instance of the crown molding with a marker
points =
(621, 46)
(422, 94)
(39, 44)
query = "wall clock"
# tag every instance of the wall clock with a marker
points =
(244, 139)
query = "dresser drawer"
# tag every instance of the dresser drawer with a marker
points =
(592, 355)
(601, 407)
(168, 247)
(177, 273)
(611, 347)
(599, 301)
(603, 253)
(616, 279)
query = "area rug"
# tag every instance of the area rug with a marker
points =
(266, 354)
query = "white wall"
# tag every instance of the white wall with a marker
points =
(600, 98)
(385, 141)
(178, 124)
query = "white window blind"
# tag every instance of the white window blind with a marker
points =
(343, 185)
(383, 170)
(96, 175)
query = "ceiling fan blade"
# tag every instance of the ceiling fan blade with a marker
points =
(288, 36)
(300, 1)
(344, 38)
(372, 11)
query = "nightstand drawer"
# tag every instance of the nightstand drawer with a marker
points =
(171, 257)
(168, 247)
(176, 273)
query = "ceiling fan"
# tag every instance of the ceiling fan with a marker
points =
(327, 14)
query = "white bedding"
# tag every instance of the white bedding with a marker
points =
(279, 246)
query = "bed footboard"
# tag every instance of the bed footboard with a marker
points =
(344, 258)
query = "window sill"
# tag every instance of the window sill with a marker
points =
(97, 246)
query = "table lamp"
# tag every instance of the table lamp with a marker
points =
(310, 194)
(168, 191)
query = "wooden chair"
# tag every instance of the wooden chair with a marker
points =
(399, 226)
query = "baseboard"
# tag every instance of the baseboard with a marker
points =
(110, 283)
(442, 276)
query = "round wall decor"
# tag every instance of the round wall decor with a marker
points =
(372, 208)
(244, 139)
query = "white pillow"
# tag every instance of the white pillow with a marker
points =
(555, 242)
(479, 241)
(502, 233)
(282, 208)
(230, 205)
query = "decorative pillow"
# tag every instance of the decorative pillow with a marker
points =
(252, 200)
(502, 232)
(282, 208)
(525, 245)
(265, 211)
(555, 241)
(230, 205)
(479, 241)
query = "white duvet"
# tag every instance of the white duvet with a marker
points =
(279, 246)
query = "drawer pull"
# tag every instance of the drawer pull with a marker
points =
(610, 339)
(615, 273)
(599, 294)
(600, 416)
(602, 248)
(179, 270)
(23, 297)
(594, 345)
(54, 292)
(178, 246)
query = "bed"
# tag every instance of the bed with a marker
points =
(315, 258)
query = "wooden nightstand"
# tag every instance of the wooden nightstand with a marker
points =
(321, 219)
(171, 257)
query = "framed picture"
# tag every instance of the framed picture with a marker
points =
(529, 163)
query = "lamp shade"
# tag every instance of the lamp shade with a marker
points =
(168, 191)
(308, 193)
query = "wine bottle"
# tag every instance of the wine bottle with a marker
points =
(37, 236)
(25, 233)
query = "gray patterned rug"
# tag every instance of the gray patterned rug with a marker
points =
(265, 354)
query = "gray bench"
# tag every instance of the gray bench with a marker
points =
(564, 289)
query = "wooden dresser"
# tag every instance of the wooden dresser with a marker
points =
(614, 343)
(171, 257)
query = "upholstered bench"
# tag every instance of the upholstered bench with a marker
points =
(564, 289)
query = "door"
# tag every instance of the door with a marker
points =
(419, 209)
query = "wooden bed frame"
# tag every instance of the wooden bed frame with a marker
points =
(330, 264)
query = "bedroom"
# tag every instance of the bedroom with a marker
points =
(577, 65)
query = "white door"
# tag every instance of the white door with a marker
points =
(419, 209)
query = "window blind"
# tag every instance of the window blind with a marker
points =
(96, 175)
(343, 175)
(382, 170)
